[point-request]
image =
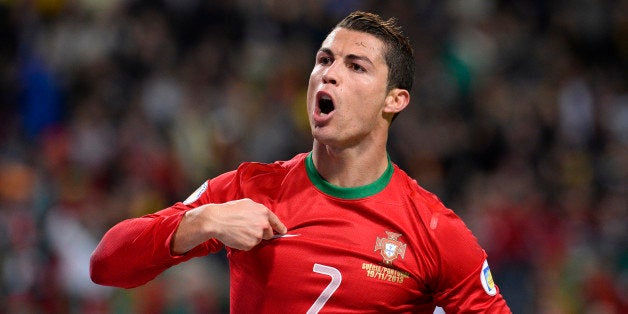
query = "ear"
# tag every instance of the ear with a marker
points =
(396, 100)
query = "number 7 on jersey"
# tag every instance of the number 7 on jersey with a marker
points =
(336, 278)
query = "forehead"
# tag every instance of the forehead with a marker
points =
(342, 41)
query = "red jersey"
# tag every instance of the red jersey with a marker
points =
(389, 246)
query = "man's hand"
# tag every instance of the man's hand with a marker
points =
(240, 224)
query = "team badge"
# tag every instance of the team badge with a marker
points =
(487, 279)
(390, 248)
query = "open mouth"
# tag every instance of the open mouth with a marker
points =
(325, 104)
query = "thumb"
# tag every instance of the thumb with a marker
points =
(276, 224)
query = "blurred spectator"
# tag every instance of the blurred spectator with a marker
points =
(114, 109)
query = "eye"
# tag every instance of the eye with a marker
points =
(324, 60)
(356, 67)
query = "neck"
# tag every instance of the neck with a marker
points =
(350, 167)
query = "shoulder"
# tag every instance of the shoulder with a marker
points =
(455, 245)
(250, 179)
(446, 227)
(265, 178)
(423, 201)
(263, 182)
(258, 170)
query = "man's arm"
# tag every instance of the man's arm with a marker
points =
(465, 282)
(135, 251)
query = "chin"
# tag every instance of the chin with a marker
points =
(327, 139)
(323, 137)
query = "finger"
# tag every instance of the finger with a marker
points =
(268, 234)
(276, 224)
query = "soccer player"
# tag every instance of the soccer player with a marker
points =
(338, 229)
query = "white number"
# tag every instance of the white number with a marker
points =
(336, 278)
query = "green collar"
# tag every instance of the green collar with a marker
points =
(347, 193)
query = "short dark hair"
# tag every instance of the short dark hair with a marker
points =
(399, 55)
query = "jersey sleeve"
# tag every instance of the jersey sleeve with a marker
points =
(463, 283)
(136, 250)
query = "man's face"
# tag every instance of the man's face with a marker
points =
(347, 89)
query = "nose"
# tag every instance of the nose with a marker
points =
(330, 75)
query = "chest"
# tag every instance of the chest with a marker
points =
(338, 256)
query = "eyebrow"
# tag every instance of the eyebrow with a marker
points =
(350, 56)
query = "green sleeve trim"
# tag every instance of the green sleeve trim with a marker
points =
(347, 193)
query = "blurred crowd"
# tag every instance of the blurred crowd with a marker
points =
(114, 109)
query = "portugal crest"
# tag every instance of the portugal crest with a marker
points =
(390, 248)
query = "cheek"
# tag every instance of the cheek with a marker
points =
(311, 89)
(369, 111)
(315, 77)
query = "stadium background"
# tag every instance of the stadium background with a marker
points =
(114, 109)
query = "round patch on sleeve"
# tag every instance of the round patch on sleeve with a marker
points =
(196, 195)
(487, 279)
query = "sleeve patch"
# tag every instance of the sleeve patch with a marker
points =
(196, 195)
(487, 279)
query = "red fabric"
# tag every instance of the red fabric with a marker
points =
(440, 265)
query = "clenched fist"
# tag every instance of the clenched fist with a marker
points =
(239, 224)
